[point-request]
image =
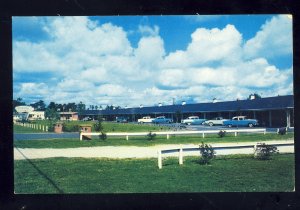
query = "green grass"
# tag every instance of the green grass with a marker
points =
(21, 129)
(143, 141)
(236, 173)
(108, 126)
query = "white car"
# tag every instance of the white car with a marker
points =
(146, 119)
(193, 120)
(215, 121)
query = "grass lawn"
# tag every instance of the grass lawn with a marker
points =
(108, 126)
(236, 173)
(143, 141)
(21, 129)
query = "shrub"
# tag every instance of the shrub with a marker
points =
(222, 133)
(70, 128)
(50, 128)
(103, 136)
(264, 151)
(282, 131)
(151, 135)
(98, 126)
(207, 153)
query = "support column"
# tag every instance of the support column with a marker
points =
(254, 114)
(270, 119)
(288, 118)
(204, 115)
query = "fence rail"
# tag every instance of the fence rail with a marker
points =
(168, 133)
(181, 150)
(33, 126)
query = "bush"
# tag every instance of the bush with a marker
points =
(222, 133)
(264, 151)
(103, 136)
(70, 128)
(50, 128)
(282, 131)
(207, 153)
(98, 126)
(151, 135)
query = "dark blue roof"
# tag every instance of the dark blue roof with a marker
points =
(270, 103)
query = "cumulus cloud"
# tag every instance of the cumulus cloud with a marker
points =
(96, 64)
(208, 46)
(273, 39)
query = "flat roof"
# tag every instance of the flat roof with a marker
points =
(268, 103)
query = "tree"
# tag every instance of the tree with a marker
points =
(98, 125)
(52, 105)
(51, 111)
(71, 107)
(80, 108)
(39, 106)
(51, 114)
(18, 102)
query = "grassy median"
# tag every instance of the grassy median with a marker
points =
(235, 173)
(108, 127)
(144, 141)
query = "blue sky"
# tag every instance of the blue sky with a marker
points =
(133, 60)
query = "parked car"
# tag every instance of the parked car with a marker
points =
(86, 119)
(241, 121)
(146, 119)
(193, 120)
(121, 119)
(215, 121)
(162, 119)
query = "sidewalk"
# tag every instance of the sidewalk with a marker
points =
(133, 151)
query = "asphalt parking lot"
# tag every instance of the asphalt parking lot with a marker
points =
(206, 127)
(175, 126)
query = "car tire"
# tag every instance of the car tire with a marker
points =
(250, 125)
(210, 124)
(189, 123)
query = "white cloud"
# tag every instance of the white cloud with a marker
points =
(37, 90)
(96, 64)
(274, 39)
(31, 57)
(208, 46)
(150, 52)
(148, 31)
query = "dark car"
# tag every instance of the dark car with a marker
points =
(121, 119)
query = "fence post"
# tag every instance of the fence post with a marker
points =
(127, 137)
(46, 128)
(203, 134)
(80, 136)
(159, 159)
(168, 136)
(254, 148)
(180, 156)
(235, 133)
(265, 132)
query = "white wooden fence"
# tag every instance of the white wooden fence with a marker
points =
(33, 126)
(181, 150)
(168, 133)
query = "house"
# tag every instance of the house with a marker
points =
(72, 116)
